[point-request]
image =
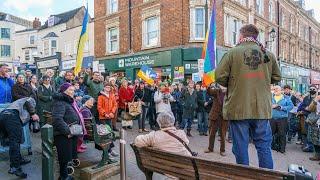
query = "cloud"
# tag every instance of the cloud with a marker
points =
(25, 5)
(314, 4)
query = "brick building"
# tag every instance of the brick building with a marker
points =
(167, 34)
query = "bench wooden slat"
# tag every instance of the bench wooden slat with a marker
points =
(151, 160)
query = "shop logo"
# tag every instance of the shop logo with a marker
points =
(121, 63)
(187, 66)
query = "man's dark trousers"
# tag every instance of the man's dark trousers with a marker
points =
(261, 136)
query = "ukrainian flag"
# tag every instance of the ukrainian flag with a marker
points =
(83, 39)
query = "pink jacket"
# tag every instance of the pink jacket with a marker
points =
(163, 141)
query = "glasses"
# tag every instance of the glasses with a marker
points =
(313, 89)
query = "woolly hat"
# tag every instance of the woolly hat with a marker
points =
(85, 98)
(112, 79)
(64, 87)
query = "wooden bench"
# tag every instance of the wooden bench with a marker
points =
(150, 160)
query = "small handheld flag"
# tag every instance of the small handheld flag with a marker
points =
(147, 74)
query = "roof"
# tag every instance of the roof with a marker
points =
(51, 34)
(14, 19)
(25, 30)
(63, 17)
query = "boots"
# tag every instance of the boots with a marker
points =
(188, 132)
(316, 157)
(18, 172)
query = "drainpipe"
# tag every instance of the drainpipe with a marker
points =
(278, 34)
(206, 17)
(130, 26)
(310, 48)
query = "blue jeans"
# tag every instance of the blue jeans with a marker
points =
(142, 118)
(203, 122)
(186, 121)
(261, 135)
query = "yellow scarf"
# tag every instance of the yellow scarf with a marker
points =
(278, 98)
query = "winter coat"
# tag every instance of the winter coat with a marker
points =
(6, 85)
(163, 141)
(63, 114)
(286, 106)
(144, 95)
(106, 105)
(125, 96)
(44, 100)
(189, 103)
(247, 75)
(176, 105)
(58, 82)
(203, 97)
(217, 104)
(94, 87)
(162, 104)
(21, 91)
(305, 103)
(313, 120)
(26, 108)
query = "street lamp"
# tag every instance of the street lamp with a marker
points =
(272, 35)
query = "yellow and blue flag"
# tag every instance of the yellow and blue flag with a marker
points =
(147, 74)
(83, 39)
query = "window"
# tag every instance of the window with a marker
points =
(67, 49)
(5, 51)
(112, 6)
(151, 31)
(282, 18)
(232, 29)
(5, 33)
(271, 15)
(242, 2)
(113, 40)
(259, 6)
(46, 48)
(199, 23)
(261, 37)
(291, 24)
(27, 55)
(31, 39)
(53, 47)
(306, 34)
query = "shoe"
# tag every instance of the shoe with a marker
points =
(208, 151)
(223, 154)
(299, 143)
(18, 172)
(146, 130)
(24, 161)
(307, 149)
(189, 132)
(129, 127)
(114, 154)
(75, 162)
(200, 134)
(140, 130)
(282, 151)
(314, 158)
(67, 178)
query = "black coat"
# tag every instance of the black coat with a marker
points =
(63, 114)
(21, 91)
(143, 95)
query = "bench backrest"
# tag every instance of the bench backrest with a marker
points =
(154, 160)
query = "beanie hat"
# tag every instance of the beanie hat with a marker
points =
(64, 87)
(112, 79)
(85, 98)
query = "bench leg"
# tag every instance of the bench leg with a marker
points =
(148, 174)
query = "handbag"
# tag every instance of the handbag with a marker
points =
(76, 129)
(103, 129)
(35, 126)
(134, 108)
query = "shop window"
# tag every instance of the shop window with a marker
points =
(151, 30)
(5, 51)
(5, 33)
(113, 40)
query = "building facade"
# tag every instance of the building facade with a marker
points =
(9, 24)
(168, 34)
(54, 44)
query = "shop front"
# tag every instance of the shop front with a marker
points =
(315, 78)
(50, 62)
(71, 63)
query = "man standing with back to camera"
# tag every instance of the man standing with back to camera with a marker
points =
(247, 71)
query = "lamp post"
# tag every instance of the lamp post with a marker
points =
(272, 35)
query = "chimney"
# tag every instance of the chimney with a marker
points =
(36, 24)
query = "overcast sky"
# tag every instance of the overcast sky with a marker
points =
(42, 9)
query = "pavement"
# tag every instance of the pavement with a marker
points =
(293, 155)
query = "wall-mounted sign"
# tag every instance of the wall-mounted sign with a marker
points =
(68, 64)
(135, 61)
(179, 73)
(48, 63)
(101, 68)
(201, 66)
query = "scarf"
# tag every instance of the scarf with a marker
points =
(263, 49)
(76, 108)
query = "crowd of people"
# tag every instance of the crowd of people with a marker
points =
(239, 103)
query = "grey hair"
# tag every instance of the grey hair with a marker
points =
(165, 120)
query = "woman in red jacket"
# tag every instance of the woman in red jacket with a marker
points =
(125, 95)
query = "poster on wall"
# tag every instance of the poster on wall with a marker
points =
(196, 77)
(179, 73)
(201, 66)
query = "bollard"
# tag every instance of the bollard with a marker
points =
(122, 155)
(47, 152)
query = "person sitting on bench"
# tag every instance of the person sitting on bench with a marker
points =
(162, 139)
